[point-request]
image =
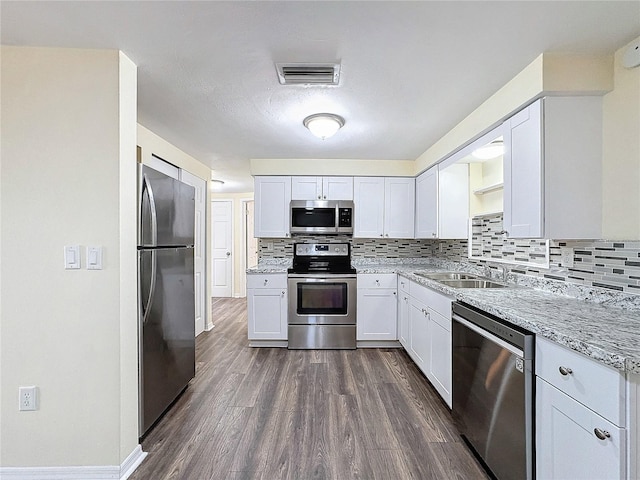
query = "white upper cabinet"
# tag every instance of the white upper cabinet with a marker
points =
(453, 201)
(368, 199)
(272, 198)
(553, 169)
(399, 207)
(384, 207)
(322, 188)
(442, 202)
(427, 204)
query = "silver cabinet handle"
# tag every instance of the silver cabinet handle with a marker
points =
(325, 197)
(266, 281)
(394, 293)
(601, 434)
(378, 282)
(381, 235)
(387, 235)
(319, 197)
(565, 371)
(283, 293)
(228, 254)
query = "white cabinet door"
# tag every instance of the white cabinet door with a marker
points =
(440, 360)
(523, 174)
(272, 198)
(321, 188)
(453, 201)
(427, 204)
(368, 199)
(399, 207)
(419, 334)
(337, 188)
(306, 188)
(377, 314)
(403, 319)
(267, 313)
(567, 445)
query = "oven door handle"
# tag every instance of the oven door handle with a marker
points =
(323, 276)
(489, 336)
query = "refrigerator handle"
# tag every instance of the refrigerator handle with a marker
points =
(146, 306)
(146, 186)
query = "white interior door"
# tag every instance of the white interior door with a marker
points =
(222, 251)
(199, 247)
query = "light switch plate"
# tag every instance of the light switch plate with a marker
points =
(94, 258)
(72, 257)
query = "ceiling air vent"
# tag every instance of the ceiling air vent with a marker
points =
(308, 73)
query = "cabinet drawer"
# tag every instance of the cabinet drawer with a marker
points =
(436, 301)
(403, 284)
(267, 280)
(374, 280)
(599, 387)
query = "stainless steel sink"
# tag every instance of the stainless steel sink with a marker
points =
(439, 276)
(477, 283)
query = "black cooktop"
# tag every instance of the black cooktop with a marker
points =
(328, 258)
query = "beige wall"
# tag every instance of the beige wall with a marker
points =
(546, 75)
(150, 143)
(68, 177)
(621, 153)
(238, 237)
(310, 166)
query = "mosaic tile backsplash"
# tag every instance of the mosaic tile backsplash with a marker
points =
(360, 247)
(613, 265)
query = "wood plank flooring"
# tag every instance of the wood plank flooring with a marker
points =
(272, 413)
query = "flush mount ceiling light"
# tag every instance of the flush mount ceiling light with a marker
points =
(492, 150)
(323, 125)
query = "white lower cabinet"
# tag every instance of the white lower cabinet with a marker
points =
(573, 442)
(267, 306)
(377, 307)
(403, 312)
(418, 337)
(581, 415)
(440, 360)
(426, 328)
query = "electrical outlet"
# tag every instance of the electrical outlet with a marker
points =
(566, 256)
(269, 246)
(28, 398)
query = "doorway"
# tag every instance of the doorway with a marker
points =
(222, 248)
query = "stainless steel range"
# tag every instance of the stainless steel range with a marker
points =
(322, 297)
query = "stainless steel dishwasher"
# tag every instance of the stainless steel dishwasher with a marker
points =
(493, 391)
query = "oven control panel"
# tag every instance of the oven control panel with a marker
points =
(321, 249)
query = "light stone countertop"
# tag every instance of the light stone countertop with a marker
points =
(608, 334)
(587, 320)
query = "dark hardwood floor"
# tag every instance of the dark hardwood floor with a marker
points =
(272, 413)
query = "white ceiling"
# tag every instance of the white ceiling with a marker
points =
(410, 70)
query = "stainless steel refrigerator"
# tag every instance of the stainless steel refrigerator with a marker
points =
(166, 297)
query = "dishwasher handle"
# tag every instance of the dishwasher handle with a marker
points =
(489, 336)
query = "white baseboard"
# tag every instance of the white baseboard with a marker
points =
(109, 472)
(209, 327)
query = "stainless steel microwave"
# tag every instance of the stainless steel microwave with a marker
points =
(326, 217)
